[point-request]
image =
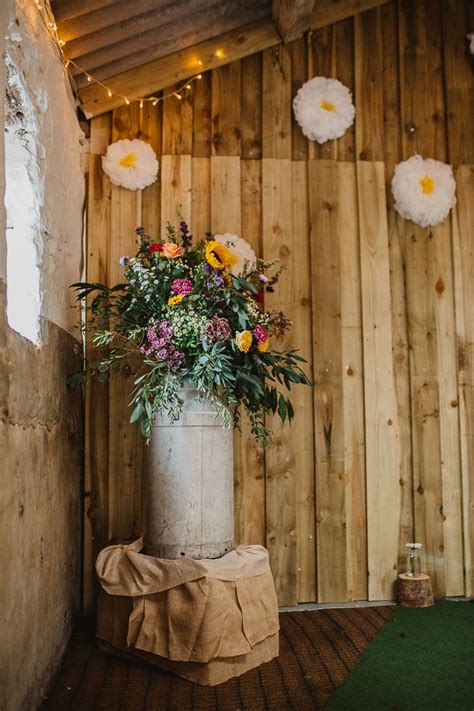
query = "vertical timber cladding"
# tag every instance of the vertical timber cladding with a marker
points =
(382, 450)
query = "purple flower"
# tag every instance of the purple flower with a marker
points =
(182, 286)
(186, 238)
(263, 279)
(139, 230)
(123, 261)
(217, 329)
(162, 353)
(165, 330)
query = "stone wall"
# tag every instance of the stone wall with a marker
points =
(41, 420)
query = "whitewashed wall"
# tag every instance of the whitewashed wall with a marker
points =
(40, 420)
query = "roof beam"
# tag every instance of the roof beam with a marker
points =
(326, 12)
(179, 66)
(292, 17)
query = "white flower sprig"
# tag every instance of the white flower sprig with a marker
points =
(413, 546)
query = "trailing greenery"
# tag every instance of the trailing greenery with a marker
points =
(189, 313)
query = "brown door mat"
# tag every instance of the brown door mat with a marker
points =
(318, 648)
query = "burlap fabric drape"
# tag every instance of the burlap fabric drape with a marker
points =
(188, 610)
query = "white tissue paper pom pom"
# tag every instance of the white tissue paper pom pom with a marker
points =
(424, 190)
(131, 164)
(470, 37)
(246, 258)
(324, 109)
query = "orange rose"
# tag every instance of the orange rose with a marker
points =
(172, 250)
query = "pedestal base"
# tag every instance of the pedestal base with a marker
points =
(415, 591)
(217, 671)
(206, 620)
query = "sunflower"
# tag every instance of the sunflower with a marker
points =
(175, 299)
(243, 340)
(219, 256)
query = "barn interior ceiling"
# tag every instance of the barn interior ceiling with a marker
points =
(140, 47)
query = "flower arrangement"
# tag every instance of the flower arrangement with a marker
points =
(424, 190)
(324, 109)
(182, 316)
(131, 164)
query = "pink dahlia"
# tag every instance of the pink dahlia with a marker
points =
(182, 286)
(260, 333)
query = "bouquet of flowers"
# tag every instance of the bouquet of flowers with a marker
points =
(192, 314)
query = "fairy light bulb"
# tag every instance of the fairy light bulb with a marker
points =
(127, 101)
(178, 96)
(109, 92)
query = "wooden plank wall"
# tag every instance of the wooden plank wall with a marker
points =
(382, 450)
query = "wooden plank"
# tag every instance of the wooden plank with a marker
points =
(179, 66)
(391, 89)
(292, 17)
(125, 442)
(451, 511)
(249, 461)
(430, 312)
(251, 106)
(299, 74)
(326, 12)
(422, 106)
(279, 241)
(302, 433)
(345, 60)
(225, 184)
(463, 247)
(328, 396)
(200, 197)
(381, 412)
(368, 85)
(176, 192)
(397, 256)
(352, 375)
(277, 103)
(226, 110)
(322, 63)
(96, 468)
(177, 122)
(457, 16)
(151, 131)
(202, 116)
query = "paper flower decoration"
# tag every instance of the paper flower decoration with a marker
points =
(470, 37)
(324, 109)
(424, 190)
(240, 248)
(131, 164)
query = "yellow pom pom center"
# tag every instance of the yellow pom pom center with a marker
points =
(129, 161)
(327, 105)
(427, 184)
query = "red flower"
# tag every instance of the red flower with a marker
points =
(155, 247)
(260, 297)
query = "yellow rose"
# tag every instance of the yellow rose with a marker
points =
(263, 347)
(175, 299)
(172, 250)
(243, 340)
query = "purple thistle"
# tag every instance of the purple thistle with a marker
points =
(123, 261)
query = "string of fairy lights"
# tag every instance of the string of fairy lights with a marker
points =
(51, 27)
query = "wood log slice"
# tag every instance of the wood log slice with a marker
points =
(415, 591)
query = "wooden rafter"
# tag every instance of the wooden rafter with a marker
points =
(326, 12)
(154, 76)
(292, 17)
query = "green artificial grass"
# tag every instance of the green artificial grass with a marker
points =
(422, 660)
